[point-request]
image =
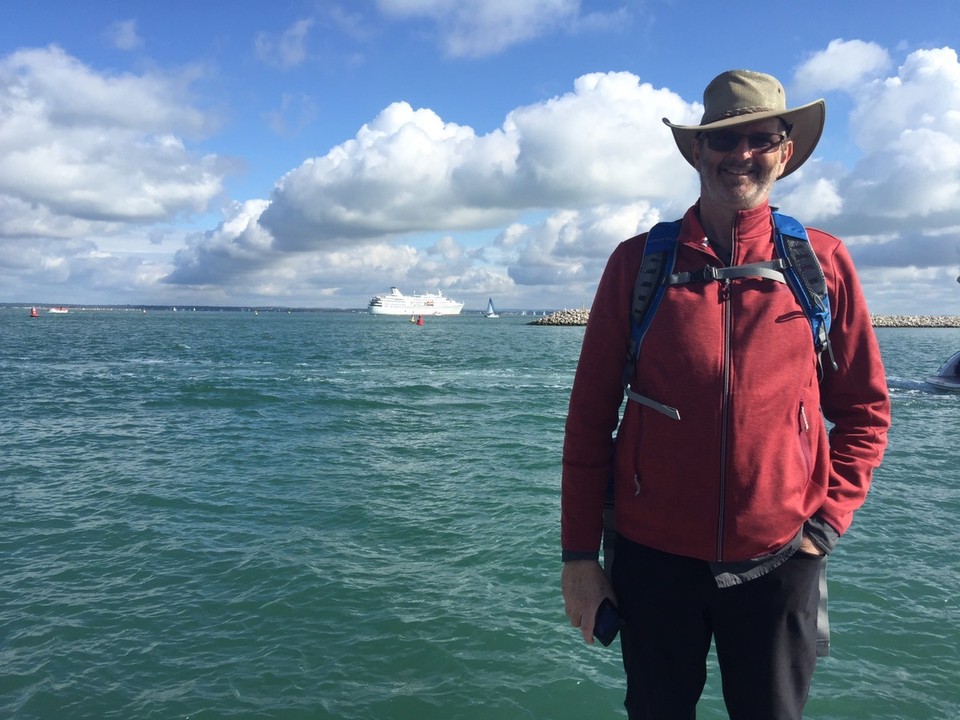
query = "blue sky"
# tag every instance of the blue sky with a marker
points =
(312, 154)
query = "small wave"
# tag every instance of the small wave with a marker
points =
(896, 383)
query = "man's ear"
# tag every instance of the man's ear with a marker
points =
(786, 152)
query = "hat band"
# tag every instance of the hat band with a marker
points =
(736, 113)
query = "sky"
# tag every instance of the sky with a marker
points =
(314, 153)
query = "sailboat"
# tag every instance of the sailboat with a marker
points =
(491, 312)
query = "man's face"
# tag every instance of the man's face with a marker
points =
(741, 178)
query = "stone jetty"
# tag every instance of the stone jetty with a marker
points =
(917, 321)
(564, 317)
(579, 317)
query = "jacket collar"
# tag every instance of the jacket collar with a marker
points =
(752, 226)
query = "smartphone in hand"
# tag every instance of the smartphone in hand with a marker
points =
(607, 623)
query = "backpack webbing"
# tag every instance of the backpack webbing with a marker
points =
(805, 277)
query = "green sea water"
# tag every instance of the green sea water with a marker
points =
(334, 515)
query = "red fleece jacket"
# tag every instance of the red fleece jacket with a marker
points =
(750, 459)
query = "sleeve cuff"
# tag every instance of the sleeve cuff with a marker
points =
(569, 555)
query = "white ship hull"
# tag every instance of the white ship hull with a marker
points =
(396, 303)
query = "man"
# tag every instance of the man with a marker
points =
(725, 514)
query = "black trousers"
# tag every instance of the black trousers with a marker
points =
(765, 632)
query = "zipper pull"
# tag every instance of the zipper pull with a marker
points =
(803, 418)
(725, 290)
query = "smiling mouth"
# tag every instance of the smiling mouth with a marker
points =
(739, 172)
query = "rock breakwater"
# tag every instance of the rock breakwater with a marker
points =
(564, 317)
(919, 321)
(580, 317)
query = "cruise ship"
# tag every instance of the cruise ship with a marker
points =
(396, 303)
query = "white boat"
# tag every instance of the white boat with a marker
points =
(58, 310)
(491, 312)
(948, 376)
(396, 303)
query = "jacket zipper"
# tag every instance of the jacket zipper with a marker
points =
(724, 414)
(725, 291)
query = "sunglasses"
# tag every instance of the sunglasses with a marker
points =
(724, 141)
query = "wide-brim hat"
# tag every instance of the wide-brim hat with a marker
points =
(739, 97)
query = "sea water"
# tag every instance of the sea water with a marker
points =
(335, 515)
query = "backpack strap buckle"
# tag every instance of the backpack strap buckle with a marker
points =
(708, 274)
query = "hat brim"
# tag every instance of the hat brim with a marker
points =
(807, 123)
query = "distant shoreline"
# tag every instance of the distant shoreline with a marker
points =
(559, 318)
(579, 317)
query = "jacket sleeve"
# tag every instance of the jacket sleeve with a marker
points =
(594, 408)
(854, 398)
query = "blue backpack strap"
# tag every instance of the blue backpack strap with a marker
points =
(805, 277)
(659, 256)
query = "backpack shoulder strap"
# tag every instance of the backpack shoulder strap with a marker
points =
(805, 277)
(659, 256)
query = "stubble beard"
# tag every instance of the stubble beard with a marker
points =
(745, 193)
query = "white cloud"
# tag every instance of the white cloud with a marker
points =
(88, 159)
(289, 49)
(98, 147)
(842, 66)
(238, 246)
(897, 206)
(569, 248)
(27, 219)
(408, 171)
(238, 253)
(123, 35)
(402, 173)
(909, 289)
(925, 94)
(474, 28)
(603, 141)
(908, 130)
(810, 194)
(295, 113)
(48, 86)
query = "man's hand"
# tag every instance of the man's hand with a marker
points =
(809, 547)
(584, 585)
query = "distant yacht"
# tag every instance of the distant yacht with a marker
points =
(491, 311)
(396, 303)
